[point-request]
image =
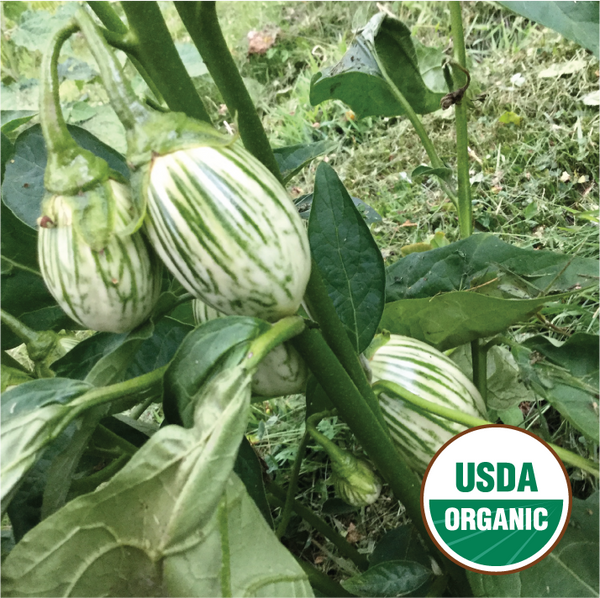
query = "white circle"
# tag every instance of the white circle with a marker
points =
(506, 449)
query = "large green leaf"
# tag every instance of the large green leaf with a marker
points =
(505, 389)
(577, 21)
(6, 152)
(248, 468)
(570, 570)
(23, 187)
(452, 319)
(357, 80)
(347, 256)
(175, 521)
(13, 119)
(481, 258)
(390, 578)
(576, 400)
(213, 346)
(33, 415)
(153, 353)
(292, 158)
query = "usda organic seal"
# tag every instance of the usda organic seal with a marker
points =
(496, 499)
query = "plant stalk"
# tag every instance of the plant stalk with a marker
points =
(472, 422)
(200, 19)
(323, 311)
(286, 512)
(159, 56)
(465, 207)
(345, 549)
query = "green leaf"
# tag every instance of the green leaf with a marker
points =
(25, 509)
(400, 544)
(390, 578)
(154, 527)
(577, 21)
(32, 415)
(442, 173)
(348, 257)
(210, 348)
(481, 258)
(570, 570)
(112, 366)
(452, 319)
(242, 570)
(357, 79)
(370, 215)
(12, 377)
(248, 468)
(23, 187)
(36, 27)
(6, 152)
(579, 354)
(510, 118)
(13, 119)
(505, 389)
(575, 400)
(153, 353)
(292, 158)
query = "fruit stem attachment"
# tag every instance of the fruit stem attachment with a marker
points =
(200, 19)
(124, 102)
(281, 331)
(40, 345)
(70, 168)
(471, 422)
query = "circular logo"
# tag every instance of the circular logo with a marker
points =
(496, 499)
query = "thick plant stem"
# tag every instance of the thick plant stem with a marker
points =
(375, 440)
(479, 361)
(322, 582)
(160, 57)
(465, 208)
(286, 513)
(344, 548)
(200, 19)
(323, 311)
(471, 422)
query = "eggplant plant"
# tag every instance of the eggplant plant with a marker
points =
(206, 292)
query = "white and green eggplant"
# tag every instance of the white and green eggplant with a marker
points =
(219, 220)
(102, 277)
(281, 373)
(111, 290)
(431, 375)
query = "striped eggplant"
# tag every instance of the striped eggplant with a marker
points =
(111, 290)
(228, 231)
(431, 375)
(282, 372)
(101, 276)
(217, 217)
